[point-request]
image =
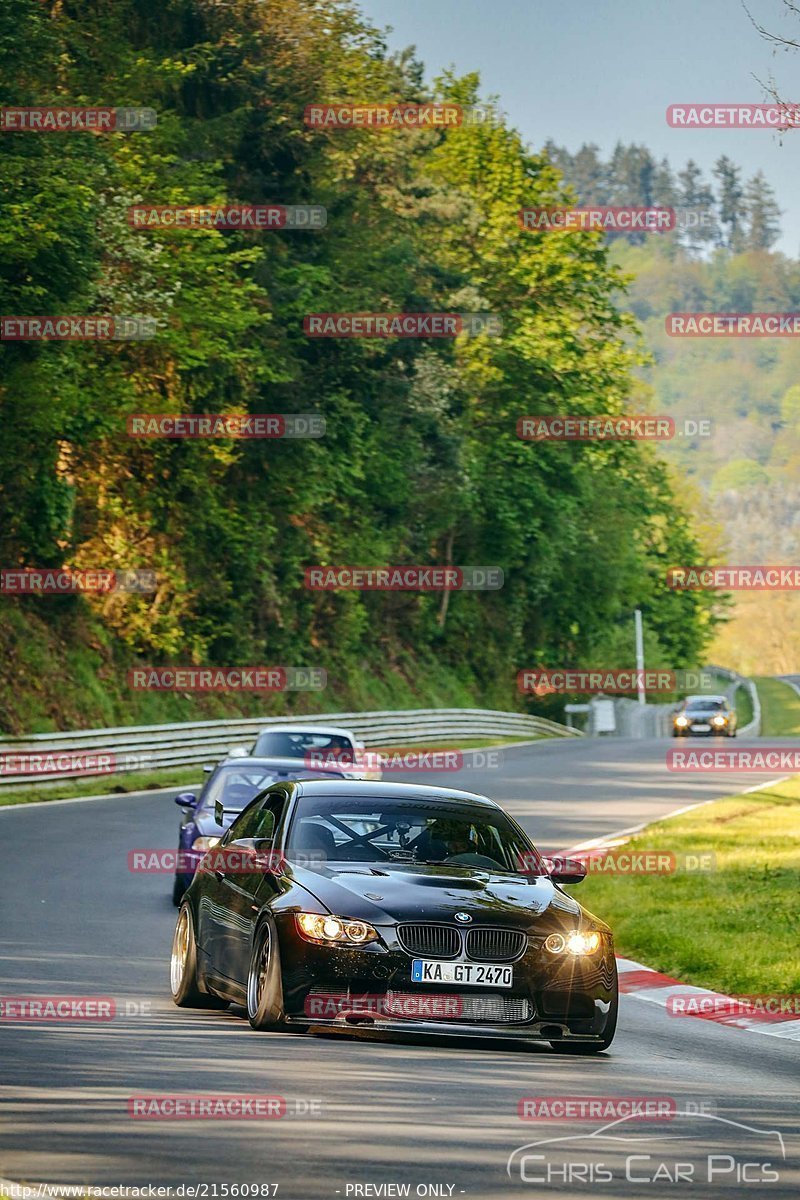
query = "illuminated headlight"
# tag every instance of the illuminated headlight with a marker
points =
(719, 721)
(334, 930)
(201, 844)
(573, 943)
(681, 721)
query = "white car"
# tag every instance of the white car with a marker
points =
(319, 746)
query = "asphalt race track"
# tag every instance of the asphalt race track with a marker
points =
(438, 1116)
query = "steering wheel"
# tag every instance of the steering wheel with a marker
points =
(472, 860)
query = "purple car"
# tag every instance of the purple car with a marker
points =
(229, 788)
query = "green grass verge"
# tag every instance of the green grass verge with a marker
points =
(733, 929)
(189, 777)
(102, 785)
(780, 707)
(743, 703)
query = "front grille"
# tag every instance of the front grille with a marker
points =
(495, 945)
(459, 1006)
(438, 941)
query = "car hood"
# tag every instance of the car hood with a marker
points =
(382, 895)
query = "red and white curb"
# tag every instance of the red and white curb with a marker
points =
(646, 984)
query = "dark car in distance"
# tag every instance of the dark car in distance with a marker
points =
(351, 904)
(704, 716)
(229, 788)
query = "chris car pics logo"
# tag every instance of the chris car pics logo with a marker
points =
(721, 1153)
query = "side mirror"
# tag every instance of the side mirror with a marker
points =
(238, 752)
(207, 768)
(251, 854)
(220, 812)
(565, 870)
(186, 800)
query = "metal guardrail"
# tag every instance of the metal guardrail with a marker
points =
(143, 747)
(752, 728)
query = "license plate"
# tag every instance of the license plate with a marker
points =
(701, 728)
(425, 970)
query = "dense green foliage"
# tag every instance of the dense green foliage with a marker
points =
(421, 462)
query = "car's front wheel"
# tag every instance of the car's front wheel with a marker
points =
(264, 984)
(183, 967)
(593, 1047)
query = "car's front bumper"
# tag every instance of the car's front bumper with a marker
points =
(687, 731)
(552, 996)
(539, 1031)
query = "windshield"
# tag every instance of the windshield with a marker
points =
(237, 785)
(343, 829)
(706, 706)
(277, 744)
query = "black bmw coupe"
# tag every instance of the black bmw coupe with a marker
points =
(396, 907)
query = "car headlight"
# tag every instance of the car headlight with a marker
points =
(573, 943)
(681, 721)
(719, 720)
(330, 930)
(201, 844)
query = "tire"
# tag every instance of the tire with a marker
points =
(264, 982)
(584, 1048)
(183, 967)
(178, 891)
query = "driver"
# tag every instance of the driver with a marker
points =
(449, 837)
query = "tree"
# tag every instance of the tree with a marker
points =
(763, 214)
(695, 195)
(730, 203)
